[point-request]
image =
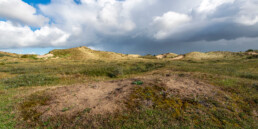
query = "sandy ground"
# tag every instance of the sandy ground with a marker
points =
(108, 96)
(178, 57)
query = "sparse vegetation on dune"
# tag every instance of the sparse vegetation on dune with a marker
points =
(201, 90)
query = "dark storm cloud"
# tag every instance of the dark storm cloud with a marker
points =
(139, 26)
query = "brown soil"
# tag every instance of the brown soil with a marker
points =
(108, 97)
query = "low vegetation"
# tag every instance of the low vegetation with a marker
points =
(25, 82)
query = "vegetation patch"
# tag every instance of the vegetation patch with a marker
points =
(149, 56)
(155, 96)
(2, 55)
(29, 80)
(28, 108)
(116, 70)
(137, 82)
(29, 56)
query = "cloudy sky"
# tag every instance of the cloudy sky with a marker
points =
(129, 26)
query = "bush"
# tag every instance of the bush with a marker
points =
(250, 50)
(252, 57)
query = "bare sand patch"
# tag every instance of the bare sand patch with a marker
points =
(109, 96)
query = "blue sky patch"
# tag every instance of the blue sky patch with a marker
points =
(77, 1)
(35, 2)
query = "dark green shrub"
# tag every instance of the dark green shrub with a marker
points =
(252, 57)
(250, 50)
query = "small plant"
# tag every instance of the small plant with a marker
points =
(87, 110)
(137, 82)
(66, 109)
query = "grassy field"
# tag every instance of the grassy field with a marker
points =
(23, 83)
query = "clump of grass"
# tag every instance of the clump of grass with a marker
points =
(29, 80)
(137, 82)
(66, 109)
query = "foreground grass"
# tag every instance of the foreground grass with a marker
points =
(232, 109)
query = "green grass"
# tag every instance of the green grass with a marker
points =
(2, 55)
(29, 80)
(237, 77)
(29, 56)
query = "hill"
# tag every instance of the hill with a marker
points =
(7, 54)
(213, 55)
(84, 53)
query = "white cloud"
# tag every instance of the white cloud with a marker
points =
(208, 6)
(21, 12)
(23, 36)
(247, 20)
(119, 23)
(248, 14)
(168, 23)
(104, 16)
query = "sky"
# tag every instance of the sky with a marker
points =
(129, 26)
